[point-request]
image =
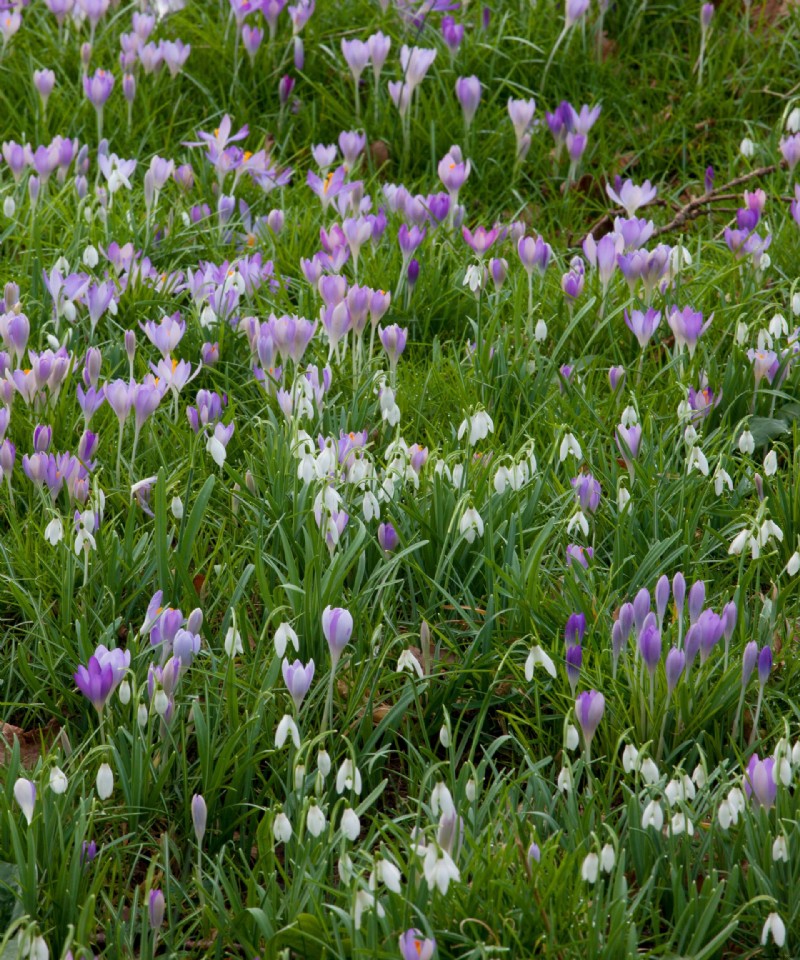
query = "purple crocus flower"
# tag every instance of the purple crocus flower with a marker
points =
(468, 91)
(631, 197)
(481, 239)
(650, 643)
(387, 537)
(575, 629)
(155, 909)
(790, 149)
(337, 627)
(104, 673)
(414, 947)
(587, 492)
(676, 661)
(534, 254)
(749, 661)
(764, 665)
(687, 325)
(759, 782)
(616, 377)
(628, 441)
(579, 554)
(574, 659)
(710, 626)
(393, 339)
(589, 709)
(98, 87)
(297, 679)
(643, 325)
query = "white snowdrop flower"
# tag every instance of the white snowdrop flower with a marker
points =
(629, 417)
(91, 257)
(471, 790)
(690, 436)
(285, 635)
(794, 564)
(737, 801)
(9, 207)
(764, 340)
(370, 507)
(348, 777)
(630, 758)
(233, 641)
(722, 479)
(569, 445)
(439, 869)
(684, 411)
(389, 875)
(739, 543)
(480, 425)
(571, 739)
(124, 693)
(441, 800)
(282, 828)
(540, 331)
(774, 927)
(538, 656)
(608, 858)
(38, 949)
(769, 530)
(649, 771)
(699, 777)
(674, 792)
(796, 304)
(458, 475)
(444, 736)
(473, 277)
(315, 820)
(697, 460)
(771, 464)
(796, 755)
(747, 148)
(578, 521)
(54, 531)
(679, 824)
(345, 869)
(176, 506)
(564, 782)
(471, 525)
(778, 326)
(747, 443)
(141, 715)
(502, 479)
(287, 727)
(409, 663)
(793, 121)
(623, 498)
(590, 868)
(351, 825)
(105, 781)
(742, 333)
(764, 263)
(653, 816)
(725, 815)
(780, 850)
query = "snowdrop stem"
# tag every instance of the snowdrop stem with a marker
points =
(757, 716)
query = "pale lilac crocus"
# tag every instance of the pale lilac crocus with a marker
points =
(643, 324)
(521, 114)
(297, 678)
(631, 197)
(687, 326)
(760, 784)
(413, 946)
(337, 627)
(393, 338)
(468, 92)
(589, 709)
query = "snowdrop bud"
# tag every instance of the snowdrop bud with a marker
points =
(9, 207)
(793, 121)
(747, 443)
(794, 564)
(323, 763)
(771, 463)
(124, 693)
(299, 776)
(161, 703)
(177, 508)
(540, 331)
(572, 738)
(351, 825)
(779, 849)
(444, 736)
(58, 780)
(747, 148)
(470, 790)
(90, 257)
(608, 858)
(105, 781)
(282, 828)
(623, 498)
(742, 333)
(141, 715)
(796, 304)
(590, 868)
(315, 820)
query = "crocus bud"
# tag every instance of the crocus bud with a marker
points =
(679, 591)
(337, 627)
(749, 660)
(764, 665)
(42, 438)
(616, 377)
(412, 274)
(676, 660)
(155, 909)
(129, 87)
(697, 597)
(86, 54)
(199, 816)
(285, 87)
(276, 220)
